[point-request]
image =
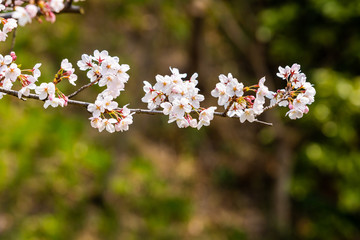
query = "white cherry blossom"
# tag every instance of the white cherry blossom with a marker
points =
(45, 90)
(12, 72)
(57, 5)
(21, 15)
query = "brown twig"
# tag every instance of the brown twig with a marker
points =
(228, 108)
(83, 88)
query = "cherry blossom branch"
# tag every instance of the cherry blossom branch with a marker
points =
(172, 95)
(36, 97)
(86, 104)
(69, 9)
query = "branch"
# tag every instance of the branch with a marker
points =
(36, 97)
(68, 3)
(83, 88)
(70, 9)
(228, 108)
(137, 111)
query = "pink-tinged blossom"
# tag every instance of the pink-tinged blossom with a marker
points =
(163, 83)
(284, 73)
(121, 72)
(225, 79)
(36, 71)
(69, 71)
(12, 72)
(45, 90)
(100, 56)
(234, 88)
(57, 5)
(106, 80)
(195, 99)
(54, 102)
(72, 79)
(176, 75)
(26, 90)
(206, 116)
(94, 73)
(167, 108)
(294, 113)
(109, 124)
(85, 63)
(22, 16)
(66, 65)
(258, 106)
(7, 84)
(300, 102)
(180, 107)
(4, 61)
(109, 66)
(248, 115)
(236, 109)
(182, 122)
(95, 122)
(192, 122)
(124, 123)
(9, 25)
(263, 90)
(108, 103)
(295, 69)
(32, 10)
(220, 93)
(96, 108)
(298, 79)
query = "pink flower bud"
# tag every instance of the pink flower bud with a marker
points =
(291, 106)
(31, 10)
(13, 55)
(50, 17)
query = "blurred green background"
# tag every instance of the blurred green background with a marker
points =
(61, 179)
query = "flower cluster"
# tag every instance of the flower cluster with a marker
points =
(50, 93)
(106, 71)
(178, 98)
(25, 11)
(238, 100)
(8, 26)
(10, 73)
(25, 14)
(171, 95)
(298, 93)
(101, 68)
(248, 102)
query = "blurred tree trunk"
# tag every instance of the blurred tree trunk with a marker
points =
(196, 40)
(243, 37)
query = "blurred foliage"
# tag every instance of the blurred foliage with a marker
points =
(61, 179)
